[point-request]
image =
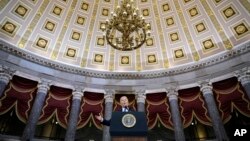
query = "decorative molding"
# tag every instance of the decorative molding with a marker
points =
(172, 92)
(206, 87)
(6, 74)
(243, 75)
(109, 95)
(43, 86)
(235, 52)
(140, 96)
(77, 95)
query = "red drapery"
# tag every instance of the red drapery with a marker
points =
(230, 96)
(19, 94)
(193, 105)
(92, 105)
(58, 103)
(131, 99)
(157, 108)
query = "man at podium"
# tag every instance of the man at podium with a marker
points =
(124, 103)
(124, 126)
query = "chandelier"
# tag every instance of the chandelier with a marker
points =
(126, 29)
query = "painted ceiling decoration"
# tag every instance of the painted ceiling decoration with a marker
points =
(69, 32)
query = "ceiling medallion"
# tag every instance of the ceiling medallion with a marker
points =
(127, 29)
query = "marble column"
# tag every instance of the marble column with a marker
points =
(74, 114)
(5, 77)
(140, 98)
(175, 113)
(37, 106)
(218, 126)
(109, 98)
(244, 77)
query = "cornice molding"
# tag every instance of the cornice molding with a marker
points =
(236, 51)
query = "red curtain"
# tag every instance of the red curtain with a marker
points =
(92, 105)
(20, 94)
(57, 103)
(131, 99)
(193, 105)
(157, 109)
(230, 96)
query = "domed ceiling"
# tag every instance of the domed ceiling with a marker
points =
(69, 31)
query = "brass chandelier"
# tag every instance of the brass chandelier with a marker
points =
(126, 30)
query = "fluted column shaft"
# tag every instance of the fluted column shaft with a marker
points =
(140, 98)
(30, 127)
(74, 114)
(175, 113)
(218, 127)
(109, 97)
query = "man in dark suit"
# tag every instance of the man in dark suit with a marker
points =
(123, 102)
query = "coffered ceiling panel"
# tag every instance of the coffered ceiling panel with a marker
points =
(69, 31)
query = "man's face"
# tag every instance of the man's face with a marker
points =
(124, 101)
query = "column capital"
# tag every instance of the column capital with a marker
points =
(109, 95)
(78, 94)
(109, 91)
(6, 74)
(243, 75)
(172, 93)
(140, 95)
(206, 87)
(43, 86)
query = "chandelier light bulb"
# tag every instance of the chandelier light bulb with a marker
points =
(128, 6)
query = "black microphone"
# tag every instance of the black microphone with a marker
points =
(126, 108)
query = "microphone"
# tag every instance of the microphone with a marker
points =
(126, 108)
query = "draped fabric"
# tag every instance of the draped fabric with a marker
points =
(92, 105)
(57, 103)
(192, 105)
(157, 108)
(19, 94)
(230, 96)
(131, 99)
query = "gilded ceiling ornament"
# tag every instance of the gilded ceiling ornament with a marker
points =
(21, 10)
(71, 52)
(179, 53)
(41, 42)
(125, 60)
(9, 27)
(57, 10)
(151, 58)
(85, 6)
(80, 20)
(98, 58)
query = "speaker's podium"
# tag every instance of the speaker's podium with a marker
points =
(128, 126)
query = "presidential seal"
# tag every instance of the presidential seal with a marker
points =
(128, 120)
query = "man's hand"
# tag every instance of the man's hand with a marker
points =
(99, 117)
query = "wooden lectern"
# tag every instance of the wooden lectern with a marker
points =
(128, 126)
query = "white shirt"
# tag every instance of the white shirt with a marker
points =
(124, 109)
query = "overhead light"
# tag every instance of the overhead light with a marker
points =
(126, 29)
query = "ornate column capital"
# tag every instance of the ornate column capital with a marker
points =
(43, 86)
(77, 94)
(172, 93)
(140, 95)
(6, 74)
(206, 87)
(243, 75)
(109, 95)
